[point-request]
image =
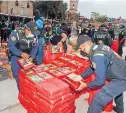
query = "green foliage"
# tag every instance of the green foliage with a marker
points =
(51, 9)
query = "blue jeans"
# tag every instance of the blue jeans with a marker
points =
(40, 54)
(107, 94)
(15, 68)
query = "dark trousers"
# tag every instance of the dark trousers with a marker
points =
(15, 68)
(3, 35)
(109, 92)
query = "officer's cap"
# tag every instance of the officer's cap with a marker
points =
(82, 39)
(33, 28)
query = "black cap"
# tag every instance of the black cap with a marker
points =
(82, 39)
(36, 13)
(33, 28)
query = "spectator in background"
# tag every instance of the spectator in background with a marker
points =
(79, 32)
(3, 32)
(39, 20)
(111, 31)
(93, 30)
(122, 33)
(102, 36)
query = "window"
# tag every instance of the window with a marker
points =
(28, 5)
(16, 3)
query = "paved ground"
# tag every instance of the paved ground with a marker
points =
(9, 102)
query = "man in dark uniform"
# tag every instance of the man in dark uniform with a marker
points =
(22, 45)
(102, 36)
(58, 37)
(106, 64)
(111, 31)
(87, 30)
(122, 33)
(39, 20)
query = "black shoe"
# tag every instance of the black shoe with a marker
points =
(114, 108)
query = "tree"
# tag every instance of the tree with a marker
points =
(51, 9)
(102, 18)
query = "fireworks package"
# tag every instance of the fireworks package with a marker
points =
(70, 56)
(75, 64)
(63, 59)
(66, 70)
(25, 64)
(58, 63)
(73, 80)
(33, 81)
(43, 67)
(56, 74)
(56, 49)
(45, 75)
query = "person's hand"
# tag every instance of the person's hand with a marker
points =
(82, 86)
(1, 63)
(31, 59)
(24, 55)
(59, 44)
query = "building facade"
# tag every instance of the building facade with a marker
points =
(16, 8)
(72, 14)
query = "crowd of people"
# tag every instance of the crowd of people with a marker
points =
(27, 41)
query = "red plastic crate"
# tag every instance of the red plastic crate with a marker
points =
(25, 64)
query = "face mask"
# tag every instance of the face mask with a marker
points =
(30, 35)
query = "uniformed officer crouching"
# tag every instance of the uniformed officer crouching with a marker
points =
(106, 64)
(22, 45)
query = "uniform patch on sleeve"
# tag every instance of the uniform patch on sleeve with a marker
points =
(13, 38)
(94, 65)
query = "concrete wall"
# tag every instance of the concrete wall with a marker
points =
(21, 9)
